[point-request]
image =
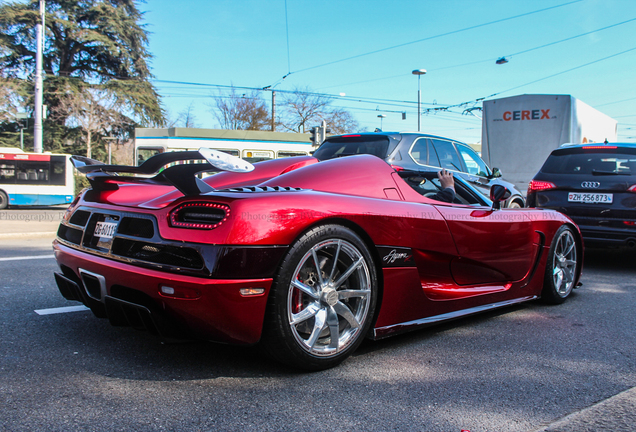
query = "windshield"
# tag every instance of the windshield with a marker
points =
(591, 163)
(353, 145)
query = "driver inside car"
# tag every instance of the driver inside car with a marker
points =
(447, 192)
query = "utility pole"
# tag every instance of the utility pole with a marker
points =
(40, 30)
(273, 110)
(419, 73)
(110, 141)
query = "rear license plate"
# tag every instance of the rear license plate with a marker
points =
(105, 230)
(592, 198)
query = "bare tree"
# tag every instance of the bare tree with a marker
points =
(245, 111)
(95, 111)
(341, 121)
(303, 109)
(185, 118)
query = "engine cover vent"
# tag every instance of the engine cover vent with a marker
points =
(262, 189)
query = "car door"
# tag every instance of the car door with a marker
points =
(495, 247)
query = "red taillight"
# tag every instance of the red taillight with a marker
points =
(349, 136)
(538, 185)
(598, 147)
(199, 215)
(632, 188)
(629, 223)
(397, 167)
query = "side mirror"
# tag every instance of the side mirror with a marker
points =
(496, 173)
(498, 193)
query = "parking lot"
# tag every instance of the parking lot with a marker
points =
(516, 369)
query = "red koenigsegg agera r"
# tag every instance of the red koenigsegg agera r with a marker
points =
(306, 258)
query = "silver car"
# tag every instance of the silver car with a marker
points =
(417, 152)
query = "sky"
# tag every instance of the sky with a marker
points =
(363, 53)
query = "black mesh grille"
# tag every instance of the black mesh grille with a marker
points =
(80, 217)
(69, 234)
(136, 227)
(122, 244)
(157, 253)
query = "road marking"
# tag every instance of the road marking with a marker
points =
(58, 310)
(27, 257)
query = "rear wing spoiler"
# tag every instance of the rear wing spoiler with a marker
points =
(181, 176)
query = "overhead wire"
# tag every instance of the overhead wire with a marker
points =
(615, 102)
(447, 107)
(287, 31)
(538, 47)
(444, 108)
(492, 58)
(565, 71)
(435, 36)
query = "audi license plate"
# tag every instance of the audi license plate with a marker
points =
(591, 198)
(105, 230)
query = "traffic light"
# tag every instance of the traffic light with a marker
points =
(319, 133)
(314, 136)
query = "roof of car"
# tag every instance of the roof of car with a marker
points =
(394, 133)
(598, 145)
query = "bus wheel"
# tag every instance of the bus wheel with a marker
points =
(4, 200)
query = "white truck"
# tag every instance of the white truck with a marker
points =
(519, 132)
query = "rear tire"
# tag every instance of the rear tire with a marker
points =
(562, 267)
(4, 200)
(322, 302)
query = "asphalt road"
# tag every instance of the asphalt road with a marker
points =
(517, 369)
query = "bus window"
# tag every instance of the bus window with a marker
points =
(144, 154)
(33, 172)
(232, 152)
(7, 173)
(290, 153)
(58, 170)
(253, 156)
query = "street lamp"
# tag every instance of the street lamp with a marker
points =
(381, 117)
(110, 140)
(419, 73)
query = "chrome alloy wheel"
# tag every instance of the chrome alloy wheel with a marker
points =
(329, 297)
(564, 264)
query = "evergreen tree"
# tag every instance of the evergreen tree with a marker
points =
(92, 46)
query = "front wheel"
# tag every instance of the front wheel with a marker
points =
(4, 200)
(323, 299)
(562, 267)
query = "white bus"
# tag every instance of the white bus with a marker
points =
(35, 178)
(253, 146)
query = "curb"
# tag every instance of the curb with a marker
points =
(617, 413)
(29, 234)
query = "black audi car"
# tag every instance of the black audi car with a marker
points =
(595, 185)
